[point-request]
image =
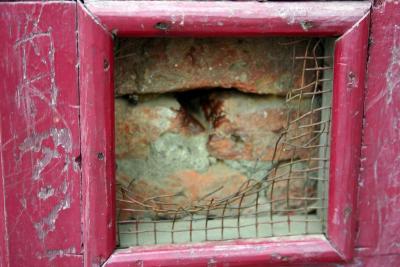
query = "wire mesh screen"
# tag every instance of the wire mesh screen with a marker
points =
(278, 137)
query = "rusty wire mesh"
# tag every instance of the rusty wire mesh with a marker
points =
(260, 207)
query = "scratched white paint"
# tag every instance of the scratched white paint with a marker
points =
(393, 71)
(46, 192)
(51, 254)
(33, 143)
(62, 137)
(49, 147)
(41, 164)
(336, 217)
(48, 223)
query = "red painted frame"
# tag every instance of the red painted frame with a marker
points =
(40, 185)
(95, 23)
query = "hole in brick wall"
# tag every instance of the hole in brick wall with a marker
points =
(220, 139)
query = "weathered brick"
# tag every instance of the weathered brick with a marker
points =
(180, 190)
(248, 127)
(169, 158)
(139, 124)
(160, 154)
(258, 65)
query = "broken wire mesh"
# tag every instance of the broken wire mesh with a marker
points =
(285, 196)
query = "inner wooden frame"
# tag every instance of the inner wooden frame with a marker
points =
(99, 21)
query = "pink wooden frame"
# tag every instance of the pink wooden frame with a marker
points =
(96, 22)
(40, 185)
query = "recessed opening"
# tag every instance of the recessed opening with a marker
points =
(221, 139)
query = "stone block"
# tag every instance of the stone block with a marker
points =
(179, 155)
(139, 124)
(255, 65)
(259, 128)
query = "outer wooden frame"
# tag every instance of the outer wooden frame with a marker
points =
(349, 22)
(40, 185)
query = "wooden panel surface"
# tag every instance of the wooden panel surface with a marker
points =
(287, 251)
(347, 113)
(97, 130)
(379, 182)
(40, 143)
(237, 18)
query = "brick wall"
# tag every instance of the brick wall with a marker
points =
(197, 119)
